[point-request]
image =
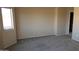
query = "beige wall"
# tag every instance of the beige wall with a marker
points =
(61, 23)
(9, 38)
(62, 20)
(75, 34)
(35, 22)
(0, 31)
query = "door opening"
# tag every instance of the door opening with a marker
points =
(71, 22)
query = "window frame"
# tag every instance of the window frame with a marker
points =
(12, 21)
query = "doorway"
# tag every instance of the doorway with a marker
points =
(71, 22)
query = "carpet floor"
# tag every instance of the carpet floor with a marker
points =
(46, 43)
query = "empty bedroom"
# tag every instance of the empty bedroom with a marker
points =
(39, 28)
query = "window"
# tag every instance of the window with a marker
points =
(7, 18)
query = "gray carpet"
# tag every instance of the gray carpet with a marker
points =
(46, 43)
